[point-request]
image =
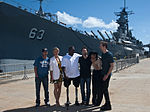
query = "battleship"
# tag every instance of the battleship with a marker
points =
(23, 34)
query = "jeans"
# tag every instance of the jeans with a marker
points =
(38, 82)
(88, 90)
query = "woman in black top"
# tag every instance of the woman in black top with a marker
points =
(97, 66)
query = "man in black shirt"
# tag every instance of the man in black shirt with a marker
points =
(85, 76)
(107, 67)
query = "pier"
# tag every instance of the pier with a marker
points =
(129, 92)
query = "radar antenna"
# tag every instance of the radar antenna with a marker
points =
(123, 29)
(40, 12)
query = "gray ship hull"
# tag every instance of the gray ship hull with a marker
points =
(19, 41)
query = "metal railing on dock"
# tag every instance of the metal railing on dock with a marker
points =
(25, 70)
(124, 63)
(15, 71)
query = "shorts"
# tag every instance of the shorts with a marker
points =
(58, 80)
(76, 81)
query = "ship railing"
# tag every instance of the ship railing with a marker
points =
(48, 16)
(15, 71)
(21, 6)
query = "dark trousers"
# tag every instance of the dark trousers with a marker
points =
(97, 77)
(104, 90)
(38, 82)
(87, 81)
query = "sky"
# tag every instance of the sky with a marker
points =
(87, 15)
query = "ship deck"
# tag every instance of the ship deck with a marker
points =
(129, 91)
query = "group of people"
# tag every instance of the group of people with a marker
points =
(81, 70)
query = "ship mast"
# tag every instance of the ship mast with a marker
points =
(123, 29)
(40, 12)
(124, 3)
(48, 15)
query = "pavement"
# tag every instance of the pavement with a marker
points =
(129, 92)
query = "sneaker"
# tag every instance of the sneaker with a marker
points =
(47, 104)
(106, 107)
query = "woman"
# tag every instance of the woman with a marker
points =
(96, 64)
(56, 73)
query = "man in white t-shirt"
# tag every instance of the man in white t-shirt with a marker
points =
(71, 72)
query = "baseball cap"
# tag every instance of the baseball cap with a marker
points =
(44, 49)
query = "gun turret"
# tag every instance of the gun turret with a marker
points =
(113, 37)
(86, 33)
(101, 35)
(107, 35)
(95, 35)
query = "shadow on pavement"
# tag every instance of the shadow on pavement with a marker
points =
(54, 108)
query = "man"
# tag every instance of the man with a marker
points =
(71, 72)
(41, 68)
(107, 67)
(85, 76)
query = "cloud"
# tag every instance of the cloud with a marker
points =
(113, 25)
(68, 19)
(90, 22)
(93, 22)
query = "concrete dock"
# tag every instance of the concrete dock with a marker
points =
(129, 91)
